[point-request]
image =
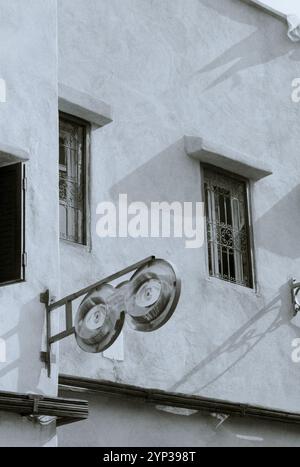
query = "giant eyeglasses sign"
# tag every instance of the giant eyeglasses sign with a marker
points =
(147, 301)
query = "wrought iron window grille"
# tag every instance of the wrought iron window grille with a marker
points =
(228, 233)
(73, 134)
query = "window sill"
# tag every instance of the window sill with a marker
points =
(9, 284)
(75, 246)
(222, 284)
(225, 158)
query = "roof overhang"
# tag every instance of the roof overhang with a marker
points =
(286, 14)
(160, 398)
(64, 411)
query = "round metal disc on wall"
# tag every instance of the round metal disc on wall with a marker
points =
(98, 323)
(152, 296)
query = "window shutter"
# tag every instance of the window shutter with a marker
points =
(11, 268)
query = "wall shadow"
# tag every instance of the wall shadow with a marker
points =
(275, 231)
(29, 349)
(163, 178)
(250, 52)
(247, 337)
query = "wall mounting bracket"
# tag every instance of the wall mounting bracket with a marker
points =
(67, 303)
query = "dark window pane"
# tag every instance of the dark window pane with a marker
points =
(72, 159)
(229, 211)
(222, 209)
(62, 153)
(11, 223)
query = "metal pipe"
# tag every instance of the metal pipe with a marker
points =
(65, 410)
(85, 291)
(157, 397)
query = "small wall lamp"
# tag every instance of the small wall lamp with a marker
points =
(295, 289)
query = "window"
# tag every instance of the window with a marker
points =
(12, 255)
(73, 139)
(228, 232)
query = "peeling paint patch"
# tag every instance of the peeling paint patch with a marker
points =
(176, 410)
(250, 438)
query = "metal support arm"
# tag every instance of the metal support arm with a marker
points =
(67, 303)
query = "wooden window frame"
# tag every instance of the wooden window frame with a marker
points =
(248, 212)
(22, 184)
(86, 178)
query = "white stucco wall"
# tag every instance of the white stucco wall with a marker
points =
(119, 423)
(28, 119)
(222, 70)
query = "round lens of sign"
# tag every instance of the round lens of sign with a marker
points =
(98, 322)
(152, 296)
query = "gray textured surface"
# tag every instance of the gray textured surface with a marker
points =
(120, 423)
(28, 119)
(222, 70)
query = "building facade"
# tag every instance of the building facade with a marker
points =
(159, 101)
